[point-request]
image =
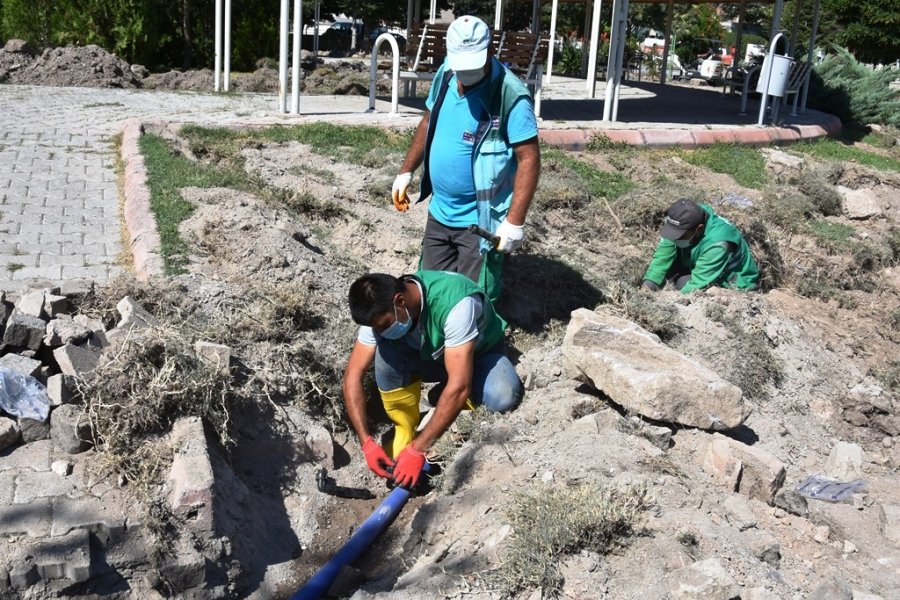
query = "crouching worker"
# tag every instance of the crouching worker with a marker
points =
(699, 249)
(433, 326)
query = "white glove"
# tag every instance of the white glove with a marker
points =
(398, 191)
(511, 236)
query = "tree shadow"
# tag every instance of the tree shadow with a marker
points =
(538, 289)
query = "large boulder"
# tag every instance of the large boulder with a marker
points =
(634, 368)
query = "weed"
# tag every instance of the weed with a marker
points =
(350, 144)
(643, 209)
(646, 309)
(321, 175)
(13, 267)
(786, 210)
(687, 539)
(600, 142)
(889, 376)
(584, 177)
(816, 282)
(831, 149)
(767, 255)
(552, 522)
(753, 367)
(746, 165)
(893, 243)
(833, 237)
(818, 190)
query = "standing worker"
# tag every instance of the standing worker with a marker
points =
(478, 143)
(698, 249)
(432, 326)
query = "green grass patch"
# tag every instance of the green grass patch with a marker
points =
(569, 182)
(831, 149)
(745, 164)
(834, 237)
(352, 144)
(167, 173)
(551, 522)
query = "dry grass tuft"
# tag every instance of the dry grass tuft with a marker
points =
(553, 521)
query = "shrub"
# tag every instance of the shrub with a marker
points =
(856, 93)
(817, 189)
(552, 522)
(767, 255)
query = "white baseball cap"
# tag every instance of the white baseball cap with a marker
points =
(468, 39)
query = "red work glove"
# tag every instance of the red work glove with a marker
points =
(409, 466)
(376, 458)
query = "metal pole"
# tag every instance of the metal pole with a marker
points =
(431, 11)
(668, 42)
(536, 17)
(283, 58)
(218, 46)
(798, 6)
(612, 68)
(584, 37)
(316, 32)
(592, 57)
(227, 45)
(776, 18)
(409, 17)
(809, 54)
(620, 57)
(552, 40)
(498, 14)
(295, 69)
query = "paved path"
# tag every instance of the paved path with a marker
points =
(59, 201)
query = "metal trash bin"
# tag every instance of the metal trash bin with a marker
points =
(774, 74)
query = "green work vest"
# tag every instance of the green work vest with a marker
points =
(443, 290)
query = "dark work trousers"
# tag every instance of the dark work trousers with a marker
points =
(451, 249)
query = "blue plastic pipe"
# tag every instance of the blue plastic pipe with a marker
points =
(361, 539)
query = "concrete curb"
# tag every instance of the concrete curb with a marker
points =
(143, 236)
(578, 139)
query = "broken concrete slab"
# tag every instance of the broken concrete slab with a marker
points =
(782, 166)
(756, 473)
(191, 478)
(70, 429)
(185, 567)
(218, 356)
(33, 485)
(91, 514)
(634, 368)
(55, 306)
(65, 557)
(703, 580)
(860, 204)
(75, 360)
(9, 433)
(20, 364)
(58, 390)
(64, 330)
(33, 431)
(844, 462)
(32, 304)
(24, 331)
(133, 314)
(31, 519)
(97, 338)
(35, 456)
(739, 513)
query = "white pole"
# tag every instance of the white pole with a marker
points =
(612, 67)
(552, 40)
(667, 42)
(227, 45)
(592, 57)
(283, 58)
(809, 53)
(295, 74)
(431, 10)
(498, 15)
(316, 32)
(620, 57)
(218, 47)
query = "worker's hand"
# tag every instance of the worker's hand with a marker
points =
(398, 191)
(649, 285)
(511, 236)
(376, 458)
(409, 465)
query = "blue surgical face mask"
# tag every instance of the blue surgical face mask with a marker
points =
(398, 329)
(684, 243)
(470, 78)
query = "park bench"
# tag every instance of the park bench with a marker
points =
(525, 54)
(747, 81)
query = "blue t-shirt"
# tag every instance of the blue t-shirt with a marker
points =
(453, 197)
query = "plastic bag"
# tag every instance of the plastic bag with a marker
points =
(819, 487)
(736, 200)
(23, 396)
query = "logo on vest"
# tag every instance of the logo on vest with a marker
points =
(468, 137)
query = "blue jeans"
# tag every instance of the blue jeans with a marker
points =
(495, 384)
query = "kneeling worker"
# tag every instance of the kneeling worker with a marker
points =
(433, 326)
(700, 249)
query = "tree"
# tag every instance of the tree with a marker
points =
(867, 27)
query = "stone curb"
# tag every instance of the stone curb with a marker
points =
(578, 139)
(143, 236)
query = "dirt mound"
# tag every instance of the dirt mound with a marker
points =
(71, 66)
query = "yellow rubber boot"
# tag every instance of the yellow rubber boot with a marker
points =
(402, 407)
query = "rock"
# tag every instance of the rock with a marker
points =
(66, 557)
(645, 376)
(844, 462)
(739, 513)
(218, 356)
(16, 46)
(766, 548)
(704, 580)
(140, 70)
(70, 429)
(756, 473)
(24, 331)
(133, 314)
(20, 364)
(62, 331)
(33, 431)
(75, 360)
(836, 589)
(889, 520)
(62, 467)
(55, 306)
(191, 478)
(783, 166)
(185, 567)
(792, 502)
(860, 204)
(320, 446)
(822, 534)
(58, 390)
(32, 304)
(98, 332)
(9, 433)
(661, 437)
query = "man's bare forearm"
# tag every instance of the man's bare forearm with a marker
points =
(528, 156)
(416, 152)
